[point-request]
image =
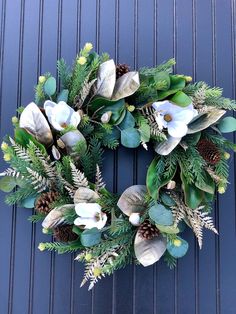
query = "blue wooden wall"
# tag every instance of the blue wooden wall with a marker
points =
(201, 35)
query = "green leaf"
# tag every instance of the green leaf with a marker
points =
(28, 202)
(181, 99)
(177, 83)
(178, 247)
(227, 125)
(128, 121)
(130, 138)
(117, 108)
(207, 185)
(63, 96)
(90, 237)
(162, 77)
(23, 138)
(77, 230)
(50, 86)
(161, 215)
(155, 177)
(7, 184)
(101, 102)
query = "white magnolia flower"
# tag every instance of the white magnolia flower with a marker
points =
(90, 216)
(61, 115)
(173, 117)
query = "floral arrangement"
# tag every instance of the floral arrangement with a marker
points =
(55, 158)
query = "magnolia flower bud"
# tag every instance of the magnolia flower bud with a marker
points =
(14, 120)
(45, 231)
(171, 185)
(177, 242)
(7, 157)
(4, 146)
(81, 60)
(88, 47)
(42, 79)
(41, 247)
(130, 108)
(226, 155)
(188, 79)
(105, 118)
(134, 219)
(221, 189)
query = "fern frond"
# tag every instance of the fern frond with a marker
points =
(99, 184)
(79, 178)
(39, 182)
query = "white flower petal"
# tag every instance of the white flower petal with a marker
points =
(177, 128)
(75, 119)
(87, 209)
(101, 223)
(184, 116)
(88, 223)
(162, 105)
(48, 106)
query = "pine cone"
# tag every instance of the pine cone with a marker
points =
(121, 69)
(148, 231)
(64, 234)
(209, 151)
(43, 202)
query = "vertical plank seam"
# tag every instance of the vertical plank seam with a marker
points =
(135, 152)
(196, 250)
(175, 56)
(78, 28)
(155, 63)
(33, 227)
(115, 154)
(14, 213)
(217, 242)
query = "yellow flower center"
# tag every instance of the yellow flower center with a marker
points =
(167, 117)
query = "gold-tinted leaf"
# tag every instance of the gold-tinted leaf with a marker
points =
(166, 147)
(204, 120)
(106, 79)
(56, 216)
(70, 139)
(34, 122)
(132, 200)
(126, 85)
(149, 252)
(85, 195)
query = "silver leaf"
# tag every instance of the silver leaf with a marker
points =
(71, 138)
(56, 216)
(126, 85)
(34, 122)
(204, 120)
(149, 252)
(166, 147)
(55, 152)
(106, 79)
(132, 200)
(85, 195)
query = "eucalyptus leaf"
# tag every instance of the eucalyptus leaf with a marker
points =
(203, 120)
(227, 125)
(106, 79)
(132, 200)
(63, 96)
(34, 122)
(161, 215)
(90, 237)
(149, 252)
(126, 85)
(50, 86)
(130, 138)
(167, 199)
(128, 121)
(178, 250)
(7, 184)
(168, 229)
(28, 202)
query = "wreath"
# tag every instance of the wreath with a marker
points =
(56, 153)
